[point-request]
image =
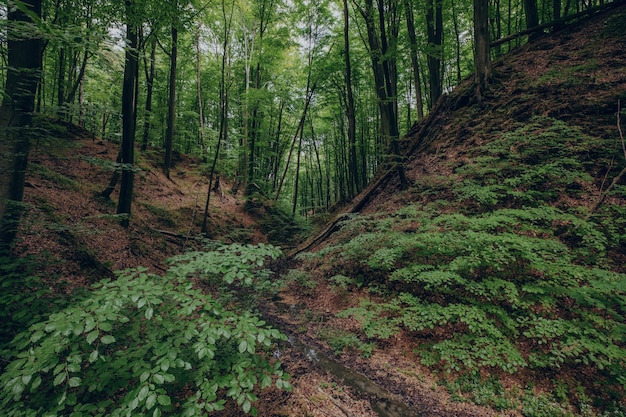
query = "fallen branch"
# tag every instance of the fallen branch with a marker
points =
(563, 19)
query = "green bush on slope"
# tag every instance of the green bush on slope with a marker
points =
(512, 276)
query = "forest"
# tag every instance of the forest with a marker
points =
(331, 208)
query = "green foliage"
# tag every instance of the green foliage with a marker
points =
(54, 177)
(489, 391)
(532, 164)
(511, 280)
(275, 221)
(146, 345)
(23, 298)
(341, 340)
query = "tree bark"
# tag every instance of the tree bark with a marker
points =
(532, 17)
(410, 24)
(482, 60)
(434, 28)
(23, 72)
(149, 89)
(171, 115)
(350, 112)
(129, 115)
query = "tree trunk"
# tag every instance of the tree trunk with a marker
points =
(482, 60)
(434, 27)
(149, 88)
(350, 112)
(129, 97)
(23, 72)
(410, 24)
(171, 115)
(532, 17)
(382, 81)
(199, 96)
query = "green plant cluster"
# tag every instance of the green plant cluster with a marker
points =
(504, 276)
(146, 345)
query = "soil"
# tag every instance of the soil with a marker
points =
(72, 229)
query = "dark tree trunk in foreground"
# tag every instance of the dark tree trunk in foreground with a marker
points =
(434, 26)
(24, 68)
(128, 123)
(532, 17)
(482, 60)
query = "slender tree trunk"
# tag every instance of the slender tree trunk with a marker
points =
(384, 84)
(350, 112)
(199, 95)
(482, 60)
(114, 178)
(410, 24)
(129, 115)
(147, 117)
(556, 14)
(309, 96)
(18, 104)
(532, 17)
(171, 115)
(457, 36)
(297, 180)
(61, 83)
(434, 27)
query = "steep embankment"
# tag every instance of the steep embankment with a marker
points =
(499, 273)
(74, 230)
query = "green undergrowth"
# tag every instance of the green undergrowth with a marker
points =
(147, 345)
(512, 272)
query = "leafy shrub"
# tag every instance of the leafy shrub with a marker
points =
(341, 340)
(23, 298)
(145, 345)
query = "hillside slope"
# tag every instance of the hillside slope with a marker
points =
(500, 271)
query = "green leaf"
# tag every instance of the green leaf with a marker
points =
(143, 393)
(91, 336)
(151, 401)
(149, 312)
(108, 339)
(59, 379)
(243, 346)
(158, 378)
(74, 382)
(36, 383)
(93, 356)
(164, 400)
(144, 376)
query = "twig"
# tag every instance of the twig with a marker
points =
(619, 176)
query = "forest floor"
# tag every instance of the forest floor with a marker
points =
(79, 241)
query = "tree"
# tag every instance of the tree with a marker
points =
(410, 24)
(350, 111)
(434, 28)
(385, 77)
(482, 61)
(18, 105)
(129, 114)
(532, 16)
(171, 114)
